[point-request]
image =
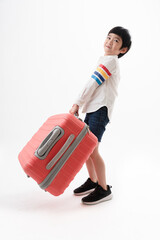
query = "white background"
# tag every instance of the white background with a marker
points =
(47, 52)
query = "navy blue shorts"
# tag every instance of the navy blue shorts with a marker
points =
(97, 121)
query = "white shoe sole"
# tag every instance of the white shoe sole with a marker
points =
(84, 193)
(109, 197)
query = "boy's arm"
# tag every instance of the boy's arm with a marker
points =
(100, 75)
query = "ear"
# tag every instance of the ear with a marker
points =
(124, 50)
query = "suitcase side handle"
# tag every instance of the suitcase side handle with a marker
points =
(61, 152)
(47, 144)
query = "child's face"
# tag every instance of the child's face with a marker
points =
(113, 44)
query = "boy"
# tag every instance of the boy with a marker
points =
(97, 100)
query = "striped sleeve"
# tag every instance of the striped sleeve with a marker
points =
(101, 74)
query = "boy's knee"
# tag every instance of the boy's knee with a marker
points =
(95, 153)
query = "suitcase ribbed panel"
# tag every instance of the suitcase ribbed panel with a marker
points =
(71, 168)
(36, 168)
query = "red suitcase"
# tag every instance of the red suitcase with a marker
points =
(57, 151)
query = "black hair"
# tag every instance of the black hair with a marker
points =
(125, 35)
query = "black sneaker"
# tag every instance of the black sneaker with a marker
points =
(98, 195)
(85, 188)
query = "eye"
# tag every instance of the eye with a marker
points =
(116, 40)
(108, 37)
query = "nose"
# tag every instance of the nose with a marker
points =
(110, 42)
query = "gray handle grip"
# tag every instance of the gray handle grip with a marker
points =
(47, 144)
(77, 116)
(61, 152)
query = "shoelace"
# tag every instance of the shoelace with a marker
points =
(97, 189)
(87, 182)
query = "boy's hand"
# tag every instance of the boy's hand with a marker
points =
(75, 110)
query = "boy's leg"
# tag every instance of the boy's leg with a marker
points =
(97, 122)
(99, 167)
(91, 170)
(102, 191)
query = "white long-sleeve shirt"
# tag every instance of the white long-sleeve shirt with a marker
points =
(101, 89)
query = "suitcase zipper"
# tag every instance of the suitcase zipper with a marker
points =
(53, 173)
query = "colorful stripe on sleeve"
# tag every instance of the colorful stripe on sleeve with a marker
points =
(101, 74)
